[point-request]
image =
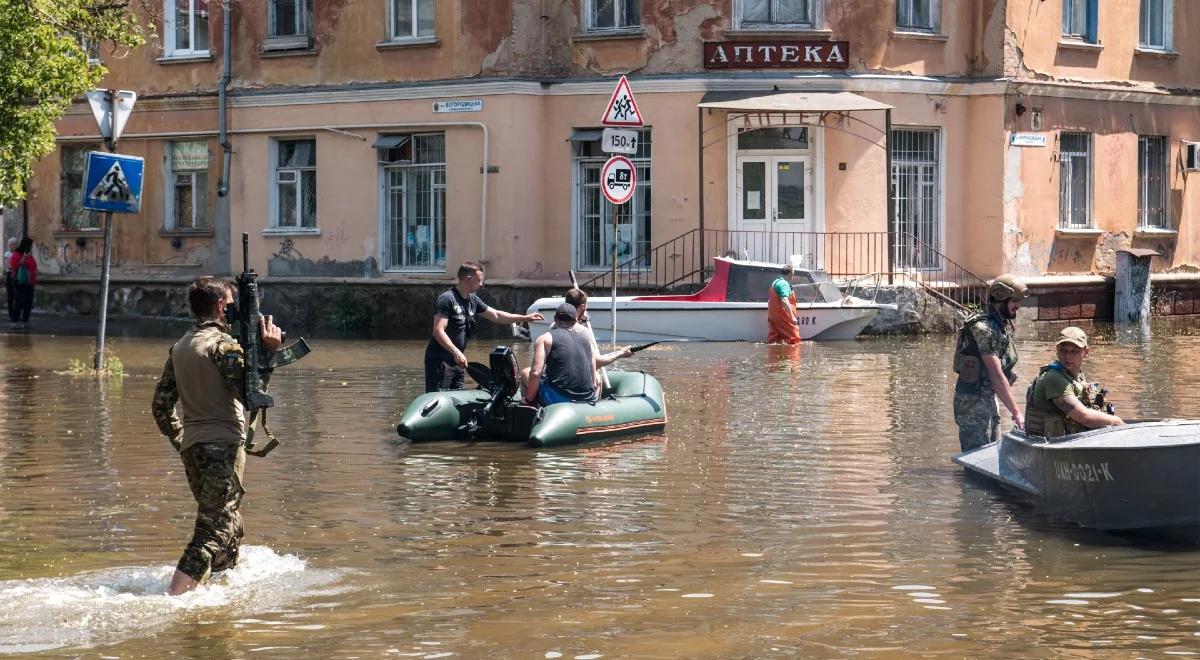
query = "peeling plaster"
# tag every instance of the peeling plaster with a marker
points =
(673, 54)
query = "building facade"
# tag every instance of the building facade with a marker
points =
(397, 138)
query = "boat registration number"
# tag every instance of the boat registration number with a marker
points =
(1082, 471)
(806, 320)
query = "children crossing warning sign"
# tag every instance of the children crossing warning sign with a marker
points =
(622, 108)
(113, 182)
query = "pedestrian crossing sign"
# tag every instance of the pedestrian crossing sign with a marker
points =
(113, 182)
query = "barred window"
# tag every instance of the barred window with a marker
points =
(916, 184)
(594, 214)
(414, 178)
(74, 161)
(1075, 181)
(1152, 182)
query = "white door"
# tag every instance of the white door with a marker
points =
(775, 196)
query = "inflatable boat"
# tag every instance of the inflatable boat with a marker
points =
(633, 403)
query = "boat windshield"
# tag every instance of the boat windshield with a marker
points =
(752, 283)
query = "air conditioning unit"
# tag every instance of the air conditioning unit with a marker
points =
(1191, 156)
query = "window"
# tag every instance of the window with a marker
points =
(412, 19)
(594, 214)
(92, 48)
(288, 24)
(762, 13)
(917, 15)
(185, 28)
(1081, 19)
(74, 160)
(1156, 24)
(614, 14)
(916, 178)
(295, 184)
(1074, 181)
(1152, 182)
(414, 186)
(187, 195)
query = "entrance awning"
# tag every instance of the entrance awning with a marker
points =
(789, 102)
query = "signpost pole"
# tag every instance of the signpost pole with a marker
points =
(613, 297)
(98, 362)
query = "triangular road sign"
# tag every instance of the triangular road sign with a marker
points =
(111, 108)
(622, 109)
(112, 187)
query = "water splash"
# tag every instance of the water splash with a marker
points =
(109, 605)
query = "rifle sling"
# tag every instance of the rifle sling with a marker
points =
(272, 443)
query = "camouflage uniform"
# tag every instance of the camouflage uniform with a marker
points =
(210, 366)
(975, 409)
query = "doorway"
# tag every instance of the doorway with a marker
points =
(775, 197)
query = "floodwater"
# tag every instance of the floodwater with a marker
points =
(801, 503)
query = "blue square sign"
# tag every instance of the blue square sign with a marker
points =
(112, 182)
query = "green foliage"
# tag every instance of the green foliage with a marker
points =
(112, 368)
(43, 66)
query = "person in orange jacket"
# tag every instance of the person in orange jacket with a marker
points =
(781, 311)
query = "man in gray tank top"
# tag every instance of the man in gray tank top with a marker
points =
(564, 364)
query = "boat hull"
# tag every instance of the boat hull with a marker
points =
(637, 405)
(643, 320)
(1138, 476)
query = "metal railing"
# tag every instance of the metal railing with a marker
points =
(685, 262)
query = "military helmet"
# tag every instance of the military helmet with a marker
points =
(1007, 287)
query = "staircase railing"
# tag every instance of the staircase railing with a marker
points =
(684, 262)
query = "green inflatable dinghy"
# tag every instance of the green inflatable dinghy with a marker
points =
(633, 404)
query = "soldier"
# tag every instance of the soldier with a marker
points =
(984, 358)
(204, 373)
(1060, 401)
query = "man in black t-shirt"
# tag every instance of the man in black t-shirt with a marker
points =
(454, 318)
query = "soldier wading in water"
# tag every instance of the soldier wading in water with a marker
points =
(984, 358)
(204, 375)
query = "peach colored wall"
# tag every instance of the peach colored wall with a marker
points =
(1114, 199)
(1037, 35)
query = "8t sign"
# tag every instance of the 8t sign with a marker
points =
(618, 180)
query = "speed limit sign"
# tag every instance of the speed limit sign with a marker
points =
(618, 180)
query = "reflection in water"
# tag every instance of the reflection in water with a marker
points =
(801, 502)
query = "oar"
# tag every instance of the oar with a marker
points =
(643, 347)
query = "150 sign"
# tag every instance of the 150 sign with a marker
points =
(776, 54)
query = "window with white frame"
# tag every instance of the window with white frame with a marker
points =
(1075, 180)
(916, 182)
(1156, 24)
(1080, 19)
(74, 216)
(289, 24)
(1152, 182)
(594, 214)
(414, 204)
(185, 28)
(613, 14)
(412, 19)
(295, 179)
(917, 15)
(187, 194)
(775, 13)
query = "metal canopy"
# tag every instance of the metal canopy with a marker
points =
(789, 102)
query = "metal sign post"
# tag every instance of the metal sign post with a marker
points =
(110, 184)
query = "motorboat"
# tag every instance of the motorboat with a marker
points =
(731, 307)
(1138, 476)
(633, 402)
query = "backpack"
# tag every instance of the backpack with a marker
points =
(22, 272)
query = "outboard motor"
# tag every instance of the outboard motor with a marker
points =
(506, 376)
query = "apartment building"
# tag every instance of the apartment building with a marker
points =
(396, 138)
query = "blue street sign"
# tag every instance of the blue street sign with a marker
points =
(112, 182)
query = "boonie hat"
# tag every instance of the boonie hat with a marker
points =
(1072, 335)
(566, 311)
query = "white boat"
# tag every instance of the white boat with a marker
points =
(731, 307)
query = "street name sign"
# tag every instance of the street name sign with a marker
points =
(1027, 140)
(618, 141)
(622, 108)
(113, 182)
(111, 108)
(618, 180)
(463, 105)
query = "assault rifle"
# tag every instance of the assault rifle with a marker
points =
(259, 364)
(1095, 397)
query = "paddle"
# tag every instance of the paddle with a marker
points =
(643, 347)
(480, 373)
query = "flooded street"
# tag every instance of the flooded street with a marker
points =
(801, 503)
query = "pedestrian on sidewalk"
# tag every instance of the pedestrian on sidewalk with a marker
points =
(24, 268)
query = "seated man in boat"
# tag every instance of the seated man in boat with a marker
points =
(781, 311)
(564, 363)
(1055, 405)
(583, 326)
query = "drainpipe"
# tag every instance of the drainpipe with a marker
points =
(222, 130)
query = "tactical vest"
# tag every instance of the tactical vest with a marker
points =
(1043, 417)
(967, 360)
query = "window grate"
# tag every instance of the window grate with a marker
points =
(916, 185)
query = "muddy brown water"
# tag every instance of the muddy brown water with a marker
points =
(801, 503)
